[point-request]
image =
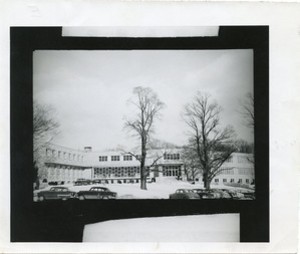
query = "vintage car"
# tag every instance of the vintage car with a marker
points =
(212, 194)
(236, 195)
(184, 194)
(205, 194)
(222, 193)
(81, 181)
(200, 192)
(248, 194)
(96, 181)
(97, 193)
(62, 193)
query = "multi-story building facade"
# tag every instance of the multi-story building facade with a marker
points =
(66, 164)
(63, 164)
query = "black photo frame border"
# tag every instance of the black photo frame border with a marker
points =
(64, 221)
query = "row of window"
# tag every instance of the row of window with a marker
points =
(169, 156)
(116, 172)
(240, 159)
(246, 171)
(171, 170)
(63, 155)
(227, 171)
(65, 172)
(116, 158)
(232, 180)
(130, 157)
(241, 171)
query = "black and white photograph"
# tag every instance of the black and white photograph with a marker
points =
(142, 132)
(149, 127)
(143, 124)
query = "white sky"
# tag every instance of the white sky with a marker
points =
(90, 90)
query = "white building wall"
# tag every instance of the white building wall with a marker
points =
(238, 169)
(70, 164)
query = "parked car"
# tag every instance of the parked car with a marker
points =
(249, 195)
(96, 181)
(82, 182)
(223, 193)
(62, 193)
(200, 192)
(97, 193)
(236, 194)
(184, 194)
(205, 194)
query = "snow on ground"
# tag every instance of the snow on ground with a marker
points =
(157, 190)
(195, 228)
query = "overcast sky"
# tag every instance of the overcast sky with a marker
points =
(90, 90)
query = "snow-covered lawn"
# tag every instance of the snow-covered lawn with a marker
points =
(194, 228)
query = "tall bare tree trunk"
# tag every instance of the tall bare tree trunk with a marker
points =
(143, 168)
(205, 179)
(143, 175)
(148, 106)
(207, 182)
(143, 179)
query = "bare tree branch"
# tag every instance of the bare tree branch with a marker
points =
(148, 108)
(247, 110)
(202, 116)
(45, 127)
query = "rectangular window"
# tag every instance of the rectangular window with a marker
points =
(232, 180)
(59, 154)
(242, 159)
(224, 180)
(115, 158)
(102, 158)
(240, 181)
(175, 156)
(230, 159)
(247, 180)
(216, 180)
(127, 158)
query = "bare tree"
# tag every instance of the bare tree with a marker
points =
(243, 146)
(45, 127)
(212, 145)
(191, 163)
(248, 115)
(148, 107)
(248, 110)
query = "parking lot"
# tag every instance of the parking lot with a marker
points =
(157, 190)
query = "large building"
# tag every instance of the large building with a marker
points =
(115, 166)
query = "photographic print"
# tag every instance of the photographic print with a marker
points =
(143, 124)
(129, 133)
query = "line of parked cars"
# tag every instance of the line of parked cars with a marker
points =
(64, 193)
(212, 194)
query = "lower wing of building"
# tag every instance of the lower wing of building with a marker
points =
(62, 164)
